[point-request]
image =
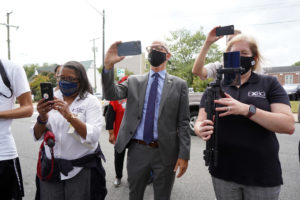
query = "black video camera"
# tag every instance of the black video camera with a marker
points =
(232, 76)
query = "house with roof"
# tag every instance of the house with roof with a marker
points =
(285, 74)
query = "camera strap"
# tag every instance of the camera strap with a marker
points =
(5, 80)
(48, 135)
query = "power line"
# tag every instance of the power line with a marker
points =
(256, 8)
(278, 22)
(273, 5)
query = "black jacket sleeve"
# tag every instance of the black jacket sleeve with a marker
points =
(110, 117)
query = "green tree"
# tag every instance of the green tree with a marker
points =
(30, 70)
(51, 77)
(35, 81)
(296, 63)
(35, 85)
(185, 46)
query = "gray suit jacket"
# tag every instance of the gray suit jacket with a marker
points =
(173, 118)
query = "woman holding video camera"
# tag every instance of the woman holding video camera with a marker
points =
(74, 118)
(250, 114)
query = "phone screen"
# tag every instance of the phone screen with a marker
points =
(232, 61)
(46, 91)
(225, 30)
(129, 48)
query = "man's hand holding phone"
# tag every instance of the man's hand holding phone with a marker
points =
(118, 50)
(111, 56)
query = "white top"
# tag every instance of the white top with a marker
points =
(211, 69)
(68, 144)
(19, 84)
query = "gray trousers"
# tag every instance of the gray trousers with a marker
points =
(141, 159)
(226, 190)
(76, 188)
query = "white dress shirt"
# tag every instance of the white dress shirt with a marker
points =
(69, 144)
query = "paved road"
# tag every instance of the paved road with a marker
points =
(195, 184)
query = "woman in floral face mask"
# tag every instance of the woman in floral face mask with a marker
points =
(74, 117)
(250, 114)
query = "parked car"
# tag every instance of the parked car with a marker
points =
(191, 90)
(293, 91)
(194, 102)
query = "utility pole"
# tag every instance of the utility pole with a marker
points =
(8, 40)
(103, 28)
(103, 40)
(103, 32)
(94, 51)
(8, 33)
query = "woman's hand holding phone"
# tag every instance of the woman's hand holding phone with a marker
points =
(62, 107)
(43, 107)
(211, 37)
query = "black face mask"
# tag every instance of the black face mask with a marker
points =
(156, 58)
(247, 63)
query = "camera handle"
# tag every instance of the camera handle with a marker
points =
(214, 91)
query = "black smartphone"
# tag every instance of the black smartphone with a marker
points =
(47, 91)
(225, 30)
(232, 63)
(129, 48)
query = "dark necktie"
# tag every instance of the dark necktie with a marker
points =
(149, 119)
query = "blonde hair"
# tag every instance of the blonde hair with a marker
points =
(253, 47)
(235, 33)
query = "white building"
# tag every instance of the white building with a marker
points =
(135, 64)
(90, 70)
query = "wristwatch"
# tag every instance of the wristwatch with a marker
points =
(251, 111)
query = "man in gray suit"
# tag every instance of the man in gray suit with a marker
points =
(155, 123)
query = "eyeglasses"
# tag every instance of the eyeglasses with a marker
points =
(67, 78)
(156, 48)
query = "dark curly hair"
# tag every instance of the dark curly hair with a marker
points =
(79, 69)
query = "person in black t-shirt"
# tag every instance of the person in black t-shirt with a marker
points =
(250, 114)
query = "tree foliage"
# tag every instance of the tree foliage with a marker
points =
(35, 80)
(35, 86)
(30, 70)
(296, 63)
(185, 46)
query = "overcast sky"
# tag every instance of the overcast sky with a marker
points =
(56, 31)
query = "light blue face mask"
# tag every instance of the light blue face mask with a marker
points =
(68, 88)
